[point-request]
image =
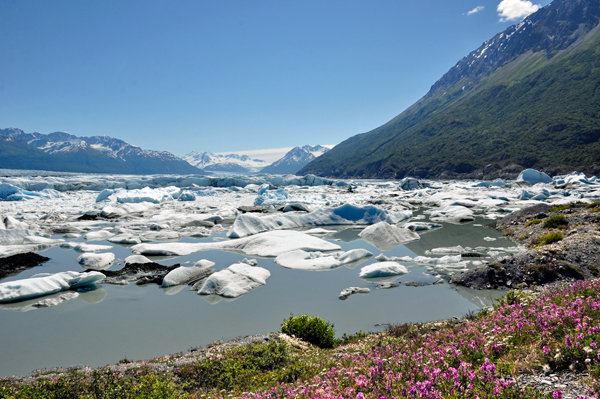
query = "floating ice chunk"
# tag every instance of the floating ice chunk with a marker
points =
(187, 196)
(113, 212)
(51, 302)
(105, 194)
(345, 294)
(42, 284)
(147, 194)
(91, 248)
(202, 263)
(489, 239)
(383, 269)
(319, 231)
(455, 214)
(447, 250)
(422, 226)
(69, 245)
(410, 183)
(248, 224)
(126, 239)
(137, 259)
(161, 236)
(318, 261)
(384, 236)
(268, 244)
(276, 197)
(96, 261)
(533, 177)
(448, 259)
(12, 223)
(8, 192)
(235, 281)
(97, 235)
(71, 236)
(186, 275)
(296, 207)
(387, 285)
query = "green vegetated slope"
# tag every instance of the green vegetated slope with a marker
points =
(539, 110)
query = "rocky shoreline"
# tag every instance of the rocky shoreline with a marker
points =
(562, 242)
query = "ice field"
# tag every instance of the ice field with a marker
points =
(251, 250)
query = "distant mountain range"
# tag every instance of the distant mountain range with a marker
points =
(295, 159)
(210, 162)
(528, 97)
(65, 152)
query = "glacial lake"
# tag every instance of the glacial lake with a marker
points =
(113, 322)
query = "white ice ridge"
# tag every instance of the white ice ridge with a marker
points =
(319, 261)
(248, 224)
(444, 260)
(234, 281)
(268, 244)
(48, 186)
(44, 283)
(384, 236)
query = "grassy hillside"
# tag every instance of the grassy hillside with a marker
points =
(541, 110)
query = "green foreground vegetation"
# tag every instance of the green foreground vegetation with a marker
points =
(478, 356)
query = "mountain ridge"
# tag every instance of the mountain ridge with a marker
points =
(295, 159)
(61, 151)
(551, 46)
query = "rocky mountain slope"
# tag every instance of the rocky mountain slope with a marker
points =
(61, 151)
(526, 98)
(210, 162)
(295, 159)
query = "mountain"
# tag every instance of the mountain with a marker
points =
(61, 151)
(295, 160)
(210, 162)
(528, 97)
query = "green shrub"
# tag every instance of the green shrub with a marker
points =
(556, 222)
(241, 368)
(549, 239)
(558, 208)
(310, 329)
(533, 222)
(593, 205)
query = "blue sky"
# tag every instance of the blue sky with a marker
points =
(226, 76)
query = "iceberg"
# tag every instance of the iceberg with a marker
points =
(384, 236)
(97, 235)
(345, 294)
(96, 261)
(235, 281)
(383, 269)
(186, 275)
(532, 177)
(318, 261)
(44, 283)
(248, 224)
(91, 248)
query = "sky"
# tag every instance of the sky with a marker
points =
(231, 75)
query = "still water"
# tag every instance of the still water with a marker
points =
(140, 322)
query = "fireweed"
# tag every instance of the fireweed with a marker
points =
(475, 358)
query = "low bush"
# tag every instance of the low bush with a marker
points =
(593, 205)
(310, 329)
(558, 208)
(549, 238)
(533, 222)
(555, 222)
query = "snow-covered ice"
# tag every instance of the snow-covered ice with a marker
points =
(44, 283)
(235, 281)
(186, 275)
(384, 236)
(319, 261)
(345, 294)
(383, 269)
(96, 261)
